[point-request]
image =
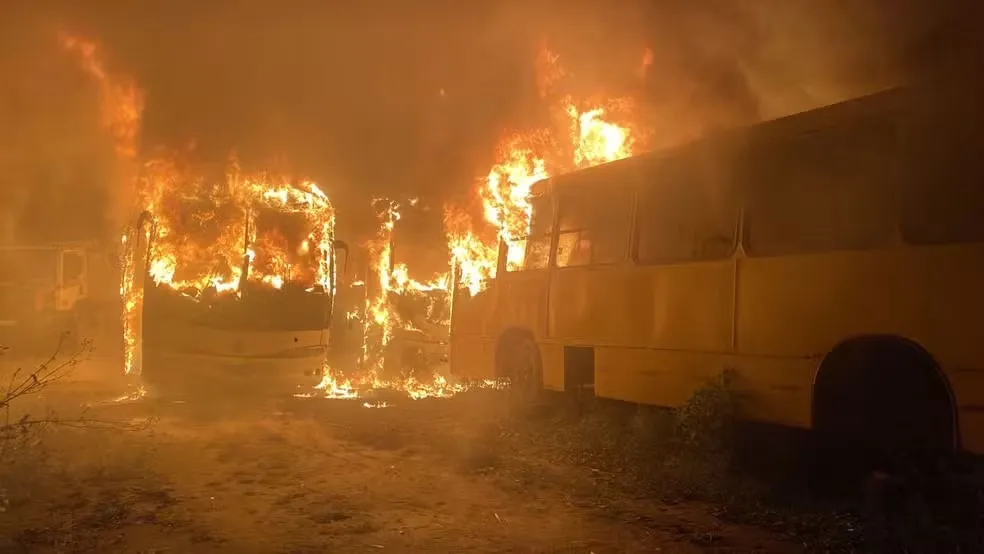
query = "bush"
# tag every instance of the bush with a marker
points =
(706, 421)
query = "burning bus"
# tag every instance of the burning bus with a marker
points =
(232, 281)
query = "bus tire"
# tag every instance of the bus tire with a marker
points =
(881, 403)
(517, 358)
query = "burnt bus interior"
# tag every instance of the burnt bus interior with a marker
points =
(300, 303)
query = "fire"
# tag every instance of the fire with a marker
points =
(595, 140)
(206, 233)
(524, 159)
(121, 110)
(382, 321)
(122, 102)
(209, 233)
(333, 386)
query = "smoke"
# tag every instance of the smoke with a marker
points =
(403, 101)
(709, 64)
(59, 174)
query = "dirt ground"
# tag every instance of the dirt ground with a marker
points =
(303, 475)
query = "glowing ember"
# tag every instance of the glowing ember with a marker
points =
(334, 387)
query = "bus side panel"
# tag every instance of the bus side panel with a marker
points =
(658, 377)
(472, 357)
(521, 303)
(805, 305)
(775, 390)
(967, 386)
(221, 342)
(552, 365)
(770, 390)
(802, 306)
(471, 313)
(679, 307)
(945, 286)
(517, 300)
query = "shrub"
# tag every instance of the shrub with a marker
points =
(706, 421)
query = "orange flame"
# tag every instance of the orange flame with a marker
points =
(122, 102)
(121, 109)
(523, 159)
(381, 320)
(203, 229)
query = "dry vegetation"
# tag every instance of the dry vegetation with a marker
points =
(467, 474)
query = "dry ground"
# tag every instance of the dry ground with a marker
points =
(294, 475)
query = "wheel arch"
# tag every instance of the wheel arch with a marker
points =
(512, 335)
(834, 371)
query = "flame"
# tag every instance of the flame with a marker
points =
(121, 101)
(203, 229)
(381, 320)
(204, 232)
(121, 109)
(334, 386)
(523, 160)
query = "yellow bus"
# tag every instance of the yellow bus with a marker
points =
(833, 259)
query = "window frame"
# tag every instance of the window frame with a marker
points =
(766, 147)
(651, 181)
(550, 235)
(65, 255)
(624, 257)
(926, 120)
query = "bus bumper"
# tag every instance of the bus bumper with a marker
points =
(196, 373)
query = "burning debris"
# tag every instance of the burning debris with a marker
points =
(371, 388)
(524, 158)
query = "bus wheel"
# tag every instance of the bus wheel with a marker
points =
(517, 358)
(881, 404)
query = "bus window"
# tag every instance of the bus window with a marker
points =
(944, 189)
(686, 215)
(829, 190)
(534, 250)
(593, 227)
(73, 267)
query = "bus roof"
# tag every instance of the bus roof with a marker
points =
(802, 122)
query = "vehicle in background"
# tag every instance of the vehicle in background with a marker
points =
(420, 345)
(44, 293)
(832, 259)
(257, 337)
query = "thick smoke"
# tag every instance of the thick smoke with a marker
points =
(411, 100)
(58, 173)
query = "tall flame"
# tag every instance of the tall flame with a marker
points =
(203, 232)
(522, 160)
(121, 105)
(382, 319)
(203, 228)
(121, 101)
